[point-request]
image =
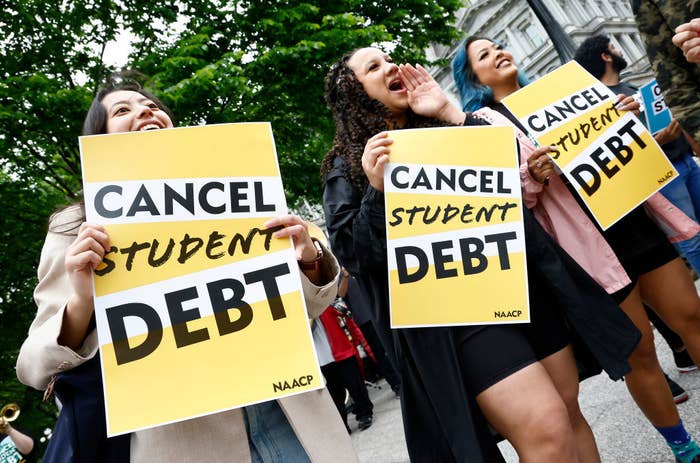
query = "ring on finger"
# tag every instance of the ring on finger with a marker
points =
(538, 164)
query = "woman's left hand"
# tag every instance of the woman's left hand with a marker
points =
(296, 228)
(425, 97)
(540, 164)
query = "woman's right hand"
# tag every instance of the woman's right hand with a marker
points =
(375, 157)
(540, 165)
(82, 257)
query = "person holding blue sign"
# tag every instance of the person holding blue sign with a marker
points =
(633, 262)
(61, 350)
(600, 57)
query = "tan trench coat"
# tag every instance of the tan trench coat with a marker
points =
(215, 438)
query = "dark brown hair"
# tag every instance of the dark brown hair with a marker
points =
(357, 118)
(96, 123)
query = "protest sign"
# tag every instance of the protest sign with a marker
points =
(198, 308)
(611, 160)
(657, 114)
(455, 239)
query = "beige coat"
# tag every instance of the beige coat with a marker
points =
(215, 438)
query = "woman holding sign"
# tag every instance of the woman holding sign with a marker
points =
(632, 260)
(521, 379)
(61, 350)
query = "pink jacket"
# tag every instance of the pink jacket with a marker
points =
(562, 217)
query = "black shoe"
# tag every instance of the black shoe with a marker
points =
(683, 361)
(364, 422)
(679, 394)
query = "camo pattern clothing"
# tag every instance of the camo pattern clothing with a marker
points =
(679, 79)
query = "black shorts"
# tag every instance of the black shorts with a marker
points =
(488, 354)
(638, 265)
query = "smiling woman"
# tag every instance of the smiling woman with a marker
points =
(61, 348)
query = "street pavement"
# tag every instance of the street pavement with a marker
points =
(622, 432)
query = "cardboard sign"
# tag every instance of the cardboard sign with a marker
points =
(657, 114)
(608, 155)
(198, 308)
(455, 238)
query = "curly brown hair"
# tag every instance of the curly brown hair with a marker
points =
(357, 118)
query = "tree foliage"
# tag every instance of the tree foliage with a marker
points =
(210, 61)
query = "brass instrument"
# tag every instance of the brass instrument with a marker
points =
(9, 412)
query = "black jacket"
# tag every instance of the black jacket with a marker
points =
(441, 422)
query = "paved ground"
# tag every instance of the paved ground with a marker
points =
(622, 432)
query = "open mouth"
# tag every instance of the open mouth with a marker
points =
(396, 86)
(149, 127)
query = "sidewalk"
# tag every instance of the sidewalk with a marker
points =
(623, 434)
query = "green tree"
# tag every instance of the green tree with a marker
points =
(210, 61)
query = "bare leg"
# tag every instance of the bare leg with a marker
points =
(561, 367)
(669, 290)
(646, 381)
(527, 410)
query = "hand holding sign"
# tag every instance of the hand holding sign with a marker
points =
(540, 164)
(375, 157)
(668, 134)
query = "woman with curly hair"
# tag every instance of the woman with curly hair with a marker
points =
(520, 379)
(632, 260)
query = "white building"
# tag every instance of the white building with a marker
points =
(514, 24)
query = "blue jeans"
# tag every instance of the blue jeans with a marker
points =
(270, 437)
(684, 193)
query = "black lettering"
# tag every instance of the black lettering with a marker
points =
(260, 205)
(142, 203)
(204, 200)
(422, 180)
(602, 161)
(397, 218)
(395, 177)
(179, 317)
(213, 242)
(131, 252)
(170, 196)
(620, 150)
(500, 187)
(577, 175)
(100, 198)
(462, 180)
(501, 240)
(472, 248)
(440, 258)
(268, 277)
(628, 129)
(221, 305)
(442, 178)
(115, 320)
(531, 123)
(486, 181)
(185, 243)
(237, 196)
(154, 261)
(402, 268)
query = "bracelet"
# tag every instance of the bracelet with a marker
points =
(314, 263)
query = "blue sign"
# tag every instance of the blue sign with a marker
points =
(657, 114)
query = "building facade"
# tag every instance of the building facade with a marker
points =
(514, 25)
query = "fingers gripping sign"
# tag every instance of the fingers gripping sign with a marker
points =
(83, 256)
(375, 157)
(540, 164)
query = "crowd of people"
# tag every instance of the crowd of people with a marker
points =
(592, 292)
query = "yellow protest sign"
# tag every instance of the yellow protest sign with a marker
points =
(198, 308)
(608, 156)
(455, 239)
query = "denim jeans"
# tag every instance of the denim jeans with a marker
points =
(270, 437)
(684, 193)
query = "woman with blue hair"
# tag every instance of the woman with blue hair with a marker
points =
(632, 260)
(474, 95)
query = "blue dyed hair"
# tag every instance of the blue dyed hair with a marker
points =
(473, 94)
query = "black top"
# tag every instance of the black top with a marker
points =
(432, 384)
